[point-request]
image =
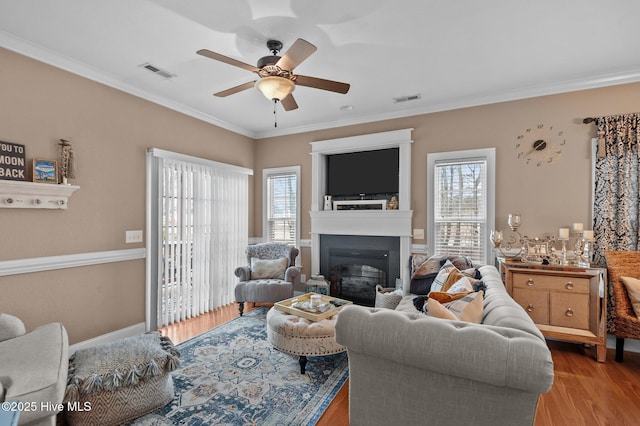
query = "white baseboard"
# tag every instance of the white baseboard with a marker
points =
(630, 345)
(134, 330)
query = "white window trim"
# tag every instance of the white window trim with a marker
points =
(265, 193)
(488, 154)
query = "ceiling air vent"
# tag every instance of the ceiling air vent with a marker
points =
(407, 98)
(159, 71)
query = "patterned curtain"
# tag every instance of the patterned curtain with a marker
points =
(616, 198)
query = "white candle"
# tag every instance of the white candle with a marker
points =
(564, 233)
(315, 300)
(588, 235)
(577, 227)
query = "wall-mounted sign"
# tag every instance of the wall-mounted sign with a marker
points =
(12, 161)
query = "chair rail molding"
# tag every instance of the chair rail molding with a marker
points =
(49, 263)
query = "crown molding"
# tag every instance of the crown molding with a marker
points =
(41, 54)
(28, 49)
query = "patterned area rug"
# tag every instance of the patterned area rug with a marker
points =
(231, 375)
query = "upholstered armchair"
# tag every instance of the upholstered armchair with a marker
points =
(624, 270)
(269, 276)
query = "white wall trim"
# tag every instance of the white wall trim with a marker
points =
(40, 264)
(133, 330)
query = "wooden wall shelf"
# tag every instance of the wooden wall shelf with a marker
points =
(29, 195)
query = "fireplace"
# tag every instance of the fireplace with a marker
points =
(355, 264)
(363, 247)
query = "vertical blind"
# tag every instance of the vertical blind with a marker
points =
(203, 227)
(460, 204)
(282, 208)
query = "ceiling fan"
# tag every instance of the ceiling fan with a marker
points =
(277, 79)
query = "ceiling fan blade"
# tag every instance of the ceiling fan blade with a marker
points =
(298, 52)
(235, 89)
(320, 83)
(218, 57)
(289, 103)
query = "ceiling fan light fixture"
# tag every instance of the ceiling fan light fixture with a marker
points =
(274, 87)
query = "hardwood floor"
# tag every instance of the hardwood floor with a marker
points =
(585, 392)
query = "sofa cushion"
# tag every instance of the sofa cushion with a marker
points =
(268, 268)
(10, 327)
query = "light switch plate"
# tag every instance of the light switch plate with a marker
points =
(133, 237)
(418, 234)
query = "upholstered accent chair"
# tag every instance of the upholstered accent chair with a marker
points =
(269, 276)
(626, 323)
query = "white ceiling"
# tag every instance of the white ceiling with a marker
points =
(453, 53)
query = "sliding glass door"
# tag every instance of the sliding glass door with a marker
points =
(198, 232)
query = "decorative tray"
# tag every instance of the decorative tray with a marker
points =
(301, 306)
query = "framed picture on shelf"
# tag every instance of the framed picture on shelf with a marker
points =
(45, 171)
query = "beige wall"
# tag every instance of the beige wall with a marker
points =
(110, 131)
(548, 197)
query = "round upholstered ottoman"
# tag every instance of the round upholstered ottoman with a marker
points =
(299, 336)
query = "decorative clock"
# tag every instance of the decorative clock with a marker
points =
(540, 145)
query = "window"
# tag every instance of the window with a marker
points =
(281, 201)
(461, 203)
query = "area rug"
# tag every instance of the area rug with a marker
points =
(231, 375)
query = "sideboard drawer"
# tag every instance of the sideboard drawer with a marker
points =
(551, 282)
(569, 310)
(535, 302)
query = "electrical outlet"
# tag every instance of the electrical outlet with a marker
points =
(133, 237)
(303, 278)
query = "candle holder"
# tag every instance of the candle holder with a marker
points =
(578, 247)
(586, 253)
(564, 260)
(506, 249)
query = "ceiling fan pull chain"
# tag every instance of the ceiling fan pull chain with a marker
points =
(275, 116)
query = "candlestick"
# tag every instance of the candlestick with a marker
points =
(577, 227)
(563, 233)
(564, 249)
(588, 235)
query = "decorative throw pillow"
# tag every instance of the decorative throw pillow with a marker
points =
(468, 308)
(444, 297)
(436, 309)
(264, 269)
(633, 291)
(442, 276)
(426, 267)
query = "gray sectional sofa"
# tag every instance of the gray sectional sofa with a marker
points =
(406, 368)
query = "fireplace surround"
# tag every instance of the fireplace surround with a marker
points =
(365, 223)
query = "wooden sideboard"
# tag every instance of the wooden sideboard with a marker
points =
(563, 301)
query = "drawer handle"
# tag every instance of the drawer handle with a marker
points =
(530, 308)
(569, 312)
(530, 282)
(569, 286)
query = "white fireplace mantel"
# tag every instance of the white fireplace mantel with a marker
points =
(393, 223)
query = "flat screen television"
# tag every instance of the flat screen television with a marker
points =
(364, 172)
